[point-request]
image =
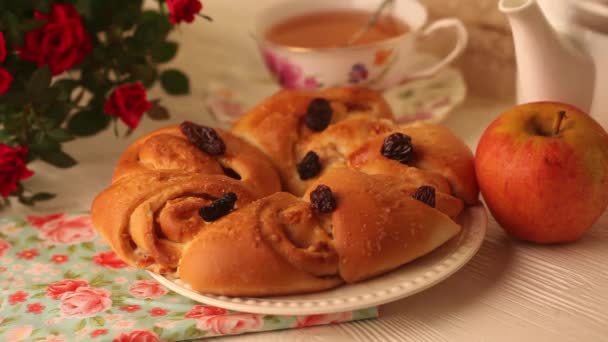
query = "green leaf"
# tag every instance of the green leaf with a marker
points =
(17, 307)
(69, 274)
(88, 122)
(173, 337)
(54, 115)
(58, 159)
(11, 22)
(9, 319)
(85, 8)
(39, 295)
(98, 321)
(39, 81)
(153, 27)
(72, 248)
(89, 246)
(163, 52)
(6, 137)
(157, 112)
(32, 24)
(37, 286)
(97, 279)
(33, 239)
(175, 82)
(42, 144)
(80, 325)
(43, 6)
(193, 332)
(65, 86)
(60, 135)
(25, 200)
(145, 73)
(42, 196)
(158, 330)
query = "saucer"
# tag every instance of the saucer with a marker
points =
(432, 99)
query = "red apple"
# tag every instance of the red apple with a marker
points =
(543, 171)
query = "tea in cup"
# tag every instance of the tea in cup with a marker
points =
(308, 44)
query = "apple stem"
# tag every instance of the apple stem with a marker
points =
(558, 122)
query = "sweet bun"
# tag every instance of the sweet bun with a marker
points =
(148, 217)
(310, 189)
(377, 229)
(278, 124)
(168, 149)
(272, 246)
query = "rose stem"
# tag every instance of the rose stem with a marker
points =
(558, 122)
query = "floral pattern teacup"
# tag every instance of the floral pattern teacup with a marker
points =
(379, 65)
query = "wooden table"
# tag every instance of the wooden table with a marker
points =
(510, 291)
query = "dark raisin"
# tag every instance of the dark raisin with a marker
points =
(228, 171)
(318, 114)
(219, 207)
(322, 200)
(398, 146)
(205, 138)
(310, 166)
(425, 194)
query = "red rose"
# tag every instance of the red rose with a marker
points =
(130, 308)
(40, 220)
(60, 258)
(311, 320)
(62, 42)
(68, 230)
(157, 312)
(35, 308)
(199, 311)
(137, 336)
(2, 47)
(17, 297)
(231, 324)
(183, 10)
(98, 332)
(129, 103)
(28, 254)
(56, 290)
(85, 302)
(6, 79)
(147, 289)
(109, 259)
(4, 246)
(12, 166)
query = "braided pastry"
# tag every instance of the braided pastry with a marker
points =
(205, 205)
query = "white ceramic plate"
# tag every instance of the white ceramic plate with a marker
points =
(405, 281)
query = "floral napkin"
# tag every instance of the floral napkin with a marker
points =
(59, 281)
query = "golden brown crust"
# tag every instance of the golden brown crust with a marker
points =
(438, 150)
(252, 253)
(167, 149)
(375, 229)
(276, 125)
(128, 214)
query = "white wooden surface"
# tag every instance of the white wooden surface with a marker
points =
(510, 291)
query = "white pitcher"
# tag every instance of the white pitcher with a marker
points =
(562, 52)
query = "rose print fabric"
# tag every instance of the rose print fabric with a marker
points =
(60, 282)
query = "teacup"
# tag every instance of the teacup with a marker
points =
(379, 65)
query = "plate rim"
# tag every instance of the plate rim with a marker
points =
(470, 245)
